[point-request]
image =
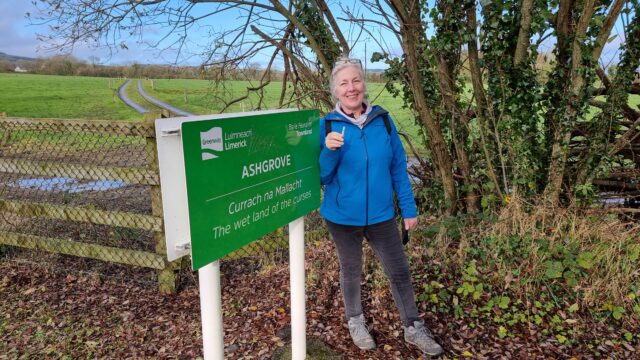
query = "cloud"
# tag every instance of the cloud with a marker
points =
(18, 38)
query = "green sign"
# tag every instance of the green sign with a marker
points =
(247, 176)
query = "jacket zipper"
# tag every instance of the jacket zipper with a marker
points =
(366, 157)
(366, 163)
(338, 193)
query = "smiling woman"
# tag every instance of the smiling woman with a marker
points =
(363, 168)
(348, 85)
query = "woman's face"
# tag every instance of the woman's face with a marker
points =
(349, 89)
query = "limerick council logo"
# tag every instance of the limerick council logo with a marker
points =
(210, 142)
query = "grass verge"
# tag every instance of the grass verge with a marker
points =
(70, 97)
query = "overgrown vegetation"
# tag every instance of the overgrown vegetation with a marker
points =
(586, 259)
(526, 129)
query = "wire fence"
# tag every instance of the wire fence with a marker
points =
(88, 192)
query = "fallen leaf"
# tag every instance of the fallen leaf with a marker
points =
(29, 291)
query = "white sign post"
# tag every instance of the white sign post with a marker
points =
(296, 269)
(211, 311)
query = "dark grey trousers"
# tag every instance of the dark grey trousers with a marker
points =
(385, 242)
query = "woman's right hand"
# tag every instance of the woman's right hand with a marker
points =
(334, 140)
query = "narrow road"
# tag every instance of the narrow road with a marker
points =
(160, 103)
(152, 101)
(123, 96)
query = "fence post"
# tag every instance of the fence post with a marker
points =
(6, 135)
(4, 139)
(166, 276)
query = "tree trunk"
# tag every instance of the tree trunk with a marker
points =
(413, 43)
(458, 130)
(562, 132)
(480, 96)
(525, 32)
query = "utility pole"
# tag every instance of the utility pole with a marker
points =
(365, 59)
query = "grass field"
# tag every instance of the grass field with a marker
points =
(47, 96)
(71, 97)
(201, 99)
(74, 97)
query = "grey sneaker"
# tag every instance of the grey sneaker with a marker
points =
(421, 337)
(360, 334)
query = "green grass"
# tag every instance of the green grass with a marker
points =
(203, 99)
(47, 96)
(134, 95)
(70, 97)
(403, 118)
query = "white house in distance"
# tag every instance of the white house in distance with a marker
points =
(18, 69)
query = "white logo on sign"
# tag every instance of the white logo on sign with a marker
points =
(211, 141)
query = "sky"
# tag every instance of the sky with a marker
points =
(18, 37)
(15, 39)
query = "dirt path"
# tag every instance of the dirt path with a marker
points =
(123, 96)
(152, 100)
(160, 103)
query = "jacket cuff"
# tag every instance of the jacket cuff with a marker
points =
(409, 214)
(329, 154)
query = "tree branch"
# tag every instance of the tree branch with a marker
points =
(312, 40)
(305, 70)
(239, 2)
(524, 33)
(627, 110)
(580, 33)
(324, 10)
(607, 25)
(626, 138)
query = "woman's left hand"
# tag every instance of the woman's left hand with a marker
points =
(410, 223)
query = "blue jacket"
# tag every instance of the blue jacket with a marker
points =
(360, 178)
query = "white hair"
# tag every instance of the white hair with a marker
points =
(341, 64)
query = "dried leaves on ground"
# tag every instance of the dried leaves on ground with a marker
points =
(58, 314)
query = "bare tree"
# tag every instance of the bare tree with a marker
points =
(300, 34)
(512, 134)
(6, 66)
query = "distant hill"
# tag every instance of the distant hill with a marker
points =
(14, 58)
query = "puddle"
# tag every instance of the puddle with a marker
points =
(613, 201)
(65, 184)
